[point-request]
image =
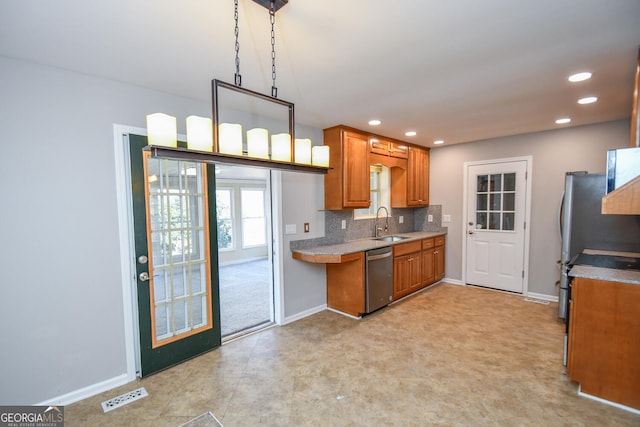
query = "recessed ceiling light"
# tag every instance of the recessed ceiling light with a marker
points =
(579, 77)
(438, 142)
(588, 100)
(411, 133)
(563, 121)
(374, 122)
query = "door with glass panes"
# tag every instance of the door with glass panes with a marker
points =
(176, 258)
(495, 225)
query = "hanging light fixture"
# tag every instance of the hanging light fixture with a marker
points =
(199, 133)
(162, 130)
(282, 150)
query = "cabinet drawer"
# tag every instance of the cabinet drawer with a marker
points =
(439, 240)
(428, 243)
(407, 248)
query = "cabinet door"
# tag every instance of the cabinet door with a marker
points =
(428, 266)
(418, 177)
(379, 146)
(406, 275)
(345, 285)
(415, 272)
(438, 263)
(356, 190)
(400, 151)
(401, 274)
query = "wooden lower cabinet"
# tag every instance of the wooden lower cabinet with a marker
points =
(345, 284)
(417, 265)
(432, 260)
(438, 261)
(406, 269)
(428, 262)
(406, 275)
(604, 339)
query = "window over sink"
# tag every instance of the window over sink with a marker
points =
(379, 178)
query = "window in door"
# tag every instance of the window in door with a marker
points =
(495, 201)
(178, 238)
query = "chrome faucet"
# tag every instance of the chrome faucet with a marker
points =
(386, 224)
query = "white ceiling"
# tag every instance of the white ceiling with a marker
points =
(458, 70)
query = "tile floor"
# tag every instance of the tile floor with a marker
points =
(450, 355)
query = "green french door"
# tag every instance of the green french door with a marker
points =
(176, 258)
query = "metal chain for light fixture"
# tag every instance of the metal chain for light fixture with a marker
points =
(237, 77)
(272, 19)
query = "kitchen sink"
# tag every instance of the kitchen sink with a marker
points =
(391, 238)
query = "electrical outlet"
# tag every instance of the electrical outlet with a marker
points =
(290, 229)
(344, 224)
(401, 219)
(430, 218)
(306, 227)
(446, 218)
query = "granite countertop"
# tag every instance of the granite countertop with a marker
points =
(362, 245)
(610, 274)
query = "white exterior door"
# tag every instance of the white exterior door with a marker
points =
(495, 224)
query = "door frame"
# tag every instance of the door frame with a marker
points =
(527, 218)
(127, 252)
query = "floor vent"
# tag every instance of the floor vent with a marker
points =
(537, 301)
(124, 399)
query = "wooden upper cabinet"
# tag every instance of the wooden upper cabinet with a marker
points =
(379, 146)
(388, 148)
(346, 186)
(398, 150)
(418, 177)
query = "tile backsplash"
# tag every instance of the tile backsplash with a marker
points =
(415, 219)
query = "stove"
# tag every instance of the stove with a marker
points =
(616, 262)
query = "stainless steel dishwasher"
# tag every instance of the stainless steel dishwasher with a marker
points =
(379, 278)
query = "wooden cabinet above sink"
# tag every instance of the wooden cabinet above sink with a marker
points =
(353, 152)
(389, 148)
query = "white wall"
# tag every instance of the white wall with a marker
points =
(303, 203)
(554, 153)
(61, 305)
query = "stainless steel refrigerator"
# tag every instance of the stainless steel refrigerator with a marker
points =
(582, 226)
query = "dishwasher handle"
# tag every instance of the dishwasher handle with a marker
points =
(380, 256)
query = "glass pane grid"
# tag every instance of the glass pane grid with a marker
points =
(495, 202)
(176, 210)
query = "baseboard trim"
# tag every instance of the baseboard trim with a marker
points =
(344, 314)
(86, 392)
(607, 402)
(453, 281)
(543, 297)
(303, 314)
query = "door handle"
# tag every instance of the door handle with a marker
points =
(144, 277)
(470, 232)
